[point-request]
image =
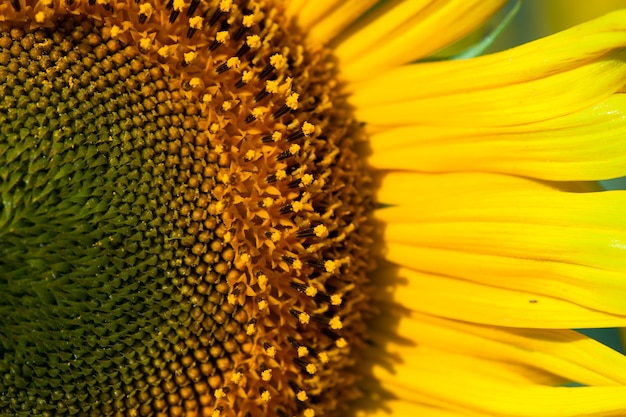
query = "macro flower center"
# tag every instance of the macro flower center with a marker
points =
(184, 214)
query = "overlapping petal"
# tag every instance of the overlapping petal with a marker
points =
(485, 388)
(535, 82)
(586, 145)
(477, 302)
(402, 31)
(544, 257)
(555, 357)
(550, 55)
(493, 371)
(491, 267)
(323, 20)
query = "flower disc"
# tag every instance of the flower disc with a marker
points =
(183, 221)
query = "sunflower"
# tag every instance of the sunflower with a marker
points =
(266, 208)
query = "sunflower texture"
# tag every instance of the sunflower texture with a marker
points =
(265, 208)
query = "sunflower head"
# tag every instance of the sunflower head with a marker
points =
(183, 221)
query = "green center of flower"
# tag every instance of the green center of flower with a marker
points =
(183, 213)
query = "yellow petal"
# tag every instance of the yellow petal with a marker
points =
(587, 145)
(550, 55)
(395, 382)
(514, 234)
(530, 83)
(460, 299)
(592, 248)
(527, 102)
(402, 31)
(418, 197)
(477, 385)
(322, 28)
(566, 354)
(399, 408)
(307, 13)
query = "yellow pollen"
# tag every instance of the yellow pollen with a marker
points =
(308, 128)
(276, 136)
(189, 57)
(302, 351)
(233, 62)
(115, 31)
(196, 22)
(250, 329)
(296, 206)
(304, 318)
(311, 368)
(253, 41)
(250, 155)
(301, 396)
(271, 352)
(219, 393)
(247, 76)
(281, 174)
(40, 17)
(265, 396)
(268, 202)
(266, 375)
(222, 36)
(216, 413)
(232, 299)
(294, 149)
(307, 179)
(249, 20)
(146, 9)
(236, 377)
(225, 5)
(330, 266)
(275, 236)
(311, 291)
(320, 231)
(278, 61)
(145, 43)
(292, 101)
(309, 412)
(323, 357)
(335, 323)
(258, 112)
(335, 300)
(207, 98)
(226, 105)
(166, 50)
(179, 5)
(195, 82)
(297, 264)
(262, 281)
(262, 305)
(341, 343)
(271, 86)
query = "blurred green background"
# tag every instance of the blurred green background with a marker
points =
(538, 18)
